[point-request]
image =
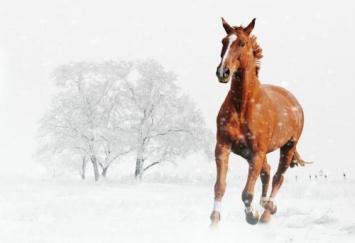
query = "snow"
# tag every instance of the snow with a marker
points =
(117, 211)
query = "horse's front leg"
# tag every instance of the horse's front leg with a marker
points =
(255, 166)
(222, 153)
(265, 178)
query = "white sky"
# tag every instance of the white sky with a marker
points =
(308, 49)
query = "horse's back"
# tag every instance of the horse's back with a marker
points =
(282, 96)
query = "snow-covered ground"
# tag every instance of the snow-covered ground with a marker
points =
(116, 211)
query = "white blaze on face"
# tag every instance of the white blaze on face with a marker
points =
(231, 38)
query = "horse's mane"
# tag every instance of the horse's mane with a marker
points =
(257, 51)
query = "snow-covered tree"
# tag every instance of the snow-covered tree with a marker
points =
(105, 110)
(166, 124)
(85, 113)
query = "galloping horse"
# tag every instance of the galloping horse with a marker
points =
(253, 120)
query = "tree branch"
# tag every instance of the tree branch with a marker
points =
(170, 131)
(151, 165)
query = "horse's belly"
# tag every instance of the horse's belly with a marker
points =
(283, 132)
(289, 117)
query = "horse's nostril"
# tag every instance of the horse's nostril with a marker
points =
(223, 73)
(226, 72)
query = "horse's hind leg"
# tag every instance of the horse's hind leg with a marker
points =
(265, 178)
(286, 154)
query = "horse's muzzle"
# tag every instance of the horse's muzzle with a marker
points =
(223, 74)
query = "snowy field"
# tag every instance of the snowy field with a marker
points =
(116, 211)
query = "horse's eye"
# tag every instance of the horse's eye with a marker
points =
(242, 43)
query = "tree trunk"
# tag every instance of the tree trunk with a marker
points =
(96, 168)
(54, 172)
(104, 171)
(139, 168)
(83, 168)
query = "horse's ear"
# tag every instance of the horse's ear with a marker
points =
(250, 27)
(226, 26)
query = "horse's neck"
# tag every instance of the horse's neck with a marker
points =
(244, 88)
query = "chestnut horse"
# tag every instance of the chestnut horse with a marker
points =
(253, 120)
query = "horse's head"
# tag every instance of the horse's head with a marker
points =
(237, 51)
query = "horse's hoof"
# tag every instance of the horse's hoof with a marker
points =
(215, 218)
(271, 206)
(252, 217)
(274, 209)
(265, 217)
(270, 209)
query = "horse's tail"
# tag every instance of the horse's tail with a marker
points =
(297, 160)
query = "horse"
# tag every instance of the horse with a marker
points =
(253, 120)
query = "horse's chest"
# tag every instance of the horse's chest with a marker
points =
(242, 139)
(239, 131)
(242, 148)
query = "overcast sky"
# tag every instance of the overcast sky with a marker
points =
(308, 49)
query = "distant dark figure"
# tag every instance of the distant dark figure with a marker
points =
(325, 177)
(310, 177)
(316, 177)
(344, 175)
(296, 178)
(321, 173)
